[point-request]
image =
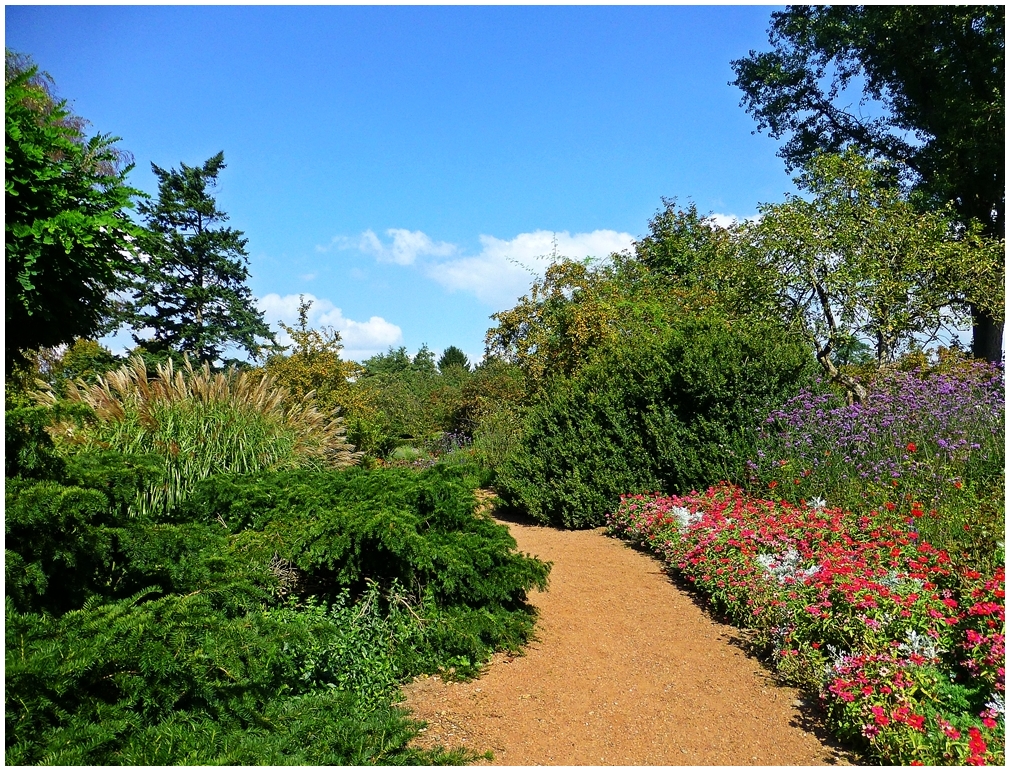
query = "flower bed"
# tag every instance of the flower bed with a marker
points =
(932, 437)
(905, 648)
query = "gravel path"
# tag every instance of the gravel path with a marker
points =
(627, 670)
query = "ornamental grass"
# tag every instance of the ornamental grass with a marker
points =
(200, 423)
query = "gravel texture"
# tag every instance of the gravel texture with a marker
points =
(627, 669)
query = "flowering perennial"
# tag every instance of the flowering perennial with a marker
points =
(923, 441)
(905, 648)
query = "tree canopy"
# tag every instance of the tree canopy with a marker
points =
(859, 262)
(192, 290)
(67, 236)
(938, 73)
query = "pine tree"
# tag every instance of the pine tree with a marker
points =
(453, 357)
(192, 291)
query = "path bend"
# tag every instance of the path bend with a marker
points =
(626, 670)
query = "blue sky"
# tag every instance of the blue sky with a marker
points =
(407, 166)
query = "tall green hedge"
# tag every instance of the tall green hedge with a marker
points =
(674, 410)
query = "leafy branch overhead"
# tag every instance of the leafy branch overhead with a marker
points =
(67, 235)
(931, 80)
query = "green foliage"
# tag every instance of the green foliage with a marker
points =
(682, 243)
(200, 424)
(858, 261)
(399, 400)
(314, 364)
(191, 289)
(453, 357)
(28, 450)
(171, 680)
(387, 525)
(65, 224)
(938, 72)
(578, 312)
(134, 641)
(668, 411)
(83, 359)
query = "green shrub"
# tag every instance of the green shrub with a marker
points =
(135, 641)
(343, 530)
(144, 639)
(172, 681)
(673, 411)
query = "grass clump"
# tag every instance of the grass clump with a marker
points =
(199, 423)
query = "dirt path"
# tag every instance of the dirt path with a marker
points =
(627, 670)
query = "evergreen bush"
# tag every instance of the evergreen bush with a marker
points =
(670, 411)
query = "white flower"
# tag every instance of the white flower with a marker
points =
(685, 517)
(786, 565)
(818, 503)
(920, 644)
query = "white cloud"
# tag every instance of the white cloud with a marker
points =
(504, 269)
(406, 246)
(724, 220)
(361, 339)
(727, 220)
(500, 273)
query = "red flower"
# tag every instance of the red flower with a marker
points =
(911, 447)
(772, 485)
(890, 506)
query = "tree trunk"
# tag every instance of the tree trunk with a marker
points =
(986, 336)
(855, 393)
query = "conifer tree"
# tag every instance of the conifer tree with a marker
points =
(192, 291)
(453, 357)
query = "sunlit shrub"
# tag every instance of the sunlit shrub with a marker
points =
(667, 410)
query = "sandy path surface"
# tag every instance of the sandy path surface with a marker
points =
(627, 670)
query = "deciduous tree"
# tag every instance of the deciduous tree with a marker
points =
(931, 80)
(67, 235)
(859, 261)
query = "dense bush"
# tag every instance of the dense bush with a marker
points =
(414, 535)
(665, 411)
(173, 681)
